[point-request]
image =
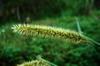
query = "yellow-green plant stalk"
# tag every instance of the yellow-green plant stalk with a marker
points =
(35, 63)
(48, 31)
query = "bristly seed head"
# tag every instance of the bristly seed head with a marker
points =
(35, 63)
(47, 31)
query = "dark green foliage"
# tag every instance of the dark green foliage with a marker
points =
(33, 8)
(81, 7)
(36, 9)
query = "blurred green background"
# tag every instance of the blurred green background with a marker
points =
(16, 49)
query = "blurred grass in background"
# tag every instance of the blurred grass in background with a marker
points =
(15, 49)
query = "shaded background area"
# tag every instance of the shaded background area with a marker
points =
(97, 3)
(20, 10)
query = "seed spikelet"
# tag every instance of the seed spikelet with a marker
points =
(35, 63)
(48, 31)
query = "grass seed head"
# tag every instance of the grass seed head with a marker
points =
(48, 31)
(35, 63)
